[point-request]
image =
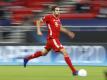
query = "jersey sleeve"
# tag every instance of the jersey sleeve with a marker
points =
(46, 18)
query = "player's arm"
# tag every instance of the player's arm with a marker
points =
(69, 33)
(38, 24)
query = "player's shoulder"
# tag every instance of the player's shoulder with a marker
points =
(48, 15)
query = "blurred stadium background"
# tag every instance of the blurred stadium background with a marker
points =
(18, 38)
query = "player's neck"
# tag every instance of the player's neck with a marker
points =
(56, 16)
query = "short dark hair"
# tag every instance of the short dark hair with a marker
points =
(53, 8)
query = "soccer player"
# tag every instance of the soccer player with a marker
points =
(54, 27)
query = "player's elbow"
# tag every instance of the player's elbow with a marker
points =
(39, 22)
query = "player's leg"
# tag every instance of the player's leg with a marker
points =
(68, 61)
(38, 53)
(35, 55)
(57, 46)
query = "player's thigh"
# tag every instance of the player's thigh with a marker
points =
(56, 45)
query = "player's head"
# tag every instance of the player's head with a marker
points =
(56, 10)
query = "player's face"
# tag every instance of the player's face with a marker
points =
(57, 11)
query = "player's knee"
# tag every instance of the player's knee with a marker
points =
(44, 54)
(66, 55)
(63, 51)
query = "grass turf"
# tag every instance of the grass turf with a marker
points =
(49, 73)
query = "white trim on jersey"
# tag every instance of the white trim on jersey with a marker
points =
(61, 45)
(55, 43)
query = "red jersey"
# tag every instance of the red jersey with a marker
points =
(53, 23)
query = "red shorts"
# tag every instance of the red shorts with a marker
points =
(53, 44)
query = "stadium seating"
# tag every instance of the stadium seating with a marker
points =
(19, 15)
(69, 9)
(29, 6)
(78, 16)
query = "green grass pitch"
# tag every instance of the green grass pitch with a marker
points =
(49, 73)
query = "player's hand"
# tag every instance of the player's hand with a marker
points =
(39, 33)
(71, 35)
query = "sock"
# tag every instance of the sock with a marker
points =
(35, 55)
(68, 61)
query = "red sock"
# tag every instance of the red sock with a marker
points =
(68, 61)
(35, 55)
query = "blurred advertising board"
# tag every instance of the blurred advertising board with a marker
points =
(80, 55)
